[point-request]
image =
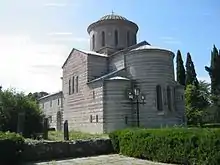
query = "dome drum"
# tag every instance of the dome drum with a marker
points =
(112, 32)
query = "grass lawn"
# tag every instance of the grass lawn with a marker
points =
(73, 135)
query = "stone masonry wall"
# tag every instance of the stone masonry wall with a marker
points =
(48, 150)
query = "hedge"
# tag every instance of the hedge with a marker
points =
(206, 125)
(211, 125)
(11, 146)
(170, 145)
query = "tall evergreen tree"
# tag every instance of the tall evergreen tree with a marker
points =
(190, 72)
(180, 70)
(214, 71)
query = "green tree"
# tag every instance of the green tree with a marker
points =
(13, 103)
(214, 71)
(180, 70)
(205, 91)
(197, 101)
(190, 72)
(37, 95)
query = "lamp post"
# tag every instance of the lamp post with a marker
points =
(135, 96)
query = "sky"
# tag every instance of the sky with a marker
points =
(37, 36)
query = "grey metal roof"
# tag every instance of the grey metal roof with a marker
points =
(149, 47)
(93, 53)
(84, 51)
(112, 17)
(106, 76)
(119, 78)
(53, 94)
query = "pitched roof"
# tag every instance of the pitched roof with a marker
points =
(131, 47)
(106, 76)
(53, 94)
(85, 52)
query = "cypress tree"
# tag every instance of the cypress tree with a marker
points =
(190, 72)
(214, 71)
(180, 70)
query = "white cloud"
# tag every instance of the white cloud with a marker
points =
(55, 4)
(28, 66)
(74, 39)
(175, 42)
(80, 39)
(170, 40)
(59, 33)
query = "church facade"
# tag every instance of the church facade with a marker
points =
(120, 83)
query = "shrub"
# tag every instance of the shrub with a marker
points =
(211, 125)
(170, 145)
(11, 148)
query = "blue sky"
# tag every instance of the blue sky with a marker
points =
(32, 32)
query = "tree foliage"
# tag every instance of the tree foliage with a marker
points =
(190, 72)
(180, 70)
(37, 95)
(13, 103)
(214, 71)
(197, 101)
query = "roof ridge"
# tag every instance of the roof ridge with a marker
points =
(85, 52)
(106, 75)
(131, 47)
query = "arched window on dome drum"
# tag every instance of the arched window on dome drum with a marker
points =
(134, 39)
(128, 38)
(93, 42)
(169, 101)
(103, 38)
(159, 98)
(116, 38)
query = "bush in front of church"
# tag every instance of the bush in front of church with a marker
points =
(170, 145)
(12, 103)
(11, 147)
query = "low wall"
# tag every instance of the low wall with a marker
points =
(47, 150)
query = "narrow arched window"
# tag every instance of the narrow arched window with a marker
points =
(128, 38)
(103, 38)
(69, 86)
(93, 42)
(174, 97)
(73, 85)
(77, 84)
(159, 98)
(116, 37)
(169, 101)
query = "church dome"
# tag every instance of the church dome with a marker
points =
(112, 17)
(112, 33)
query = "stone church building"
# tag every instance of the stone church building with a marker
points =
(119, 83)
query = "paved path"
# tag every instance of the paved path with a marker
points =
(101, 160)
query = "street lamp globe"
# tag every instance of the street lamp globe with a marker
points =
(130, 96)
(136, 91)
(142, 97)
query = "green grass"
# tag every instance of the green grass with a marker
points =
(74, 135)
